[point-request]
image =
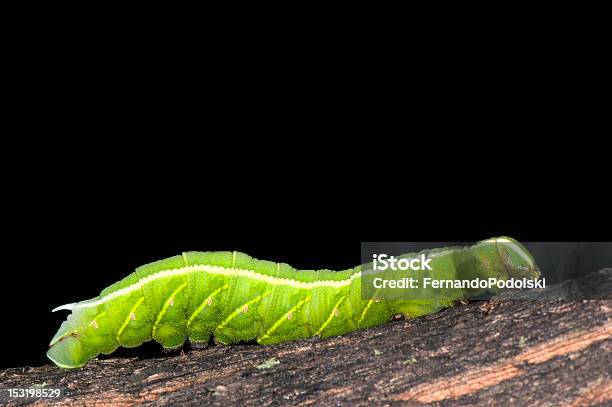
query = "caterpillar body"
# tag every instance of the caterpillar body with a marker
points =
(231, 297)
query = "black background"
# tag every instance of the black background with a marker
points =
(142, 153)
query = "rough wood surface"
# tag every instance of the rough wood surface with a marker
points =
(498, 352)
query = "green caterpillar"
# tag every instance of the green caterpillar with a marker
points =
(234, 298)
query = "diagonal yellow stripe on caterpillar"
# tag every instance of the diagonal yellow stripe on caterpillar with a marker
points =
(332, 314)
(129, 318)
(166, 305)
(241, 309)
(207, 301)
(284, 318)
(367, 307)
(365, 310)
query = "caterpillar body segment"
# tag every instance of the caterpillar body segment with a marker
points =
(231, 298)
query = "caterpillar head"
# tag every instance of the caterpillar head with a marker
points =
(502, 258)
(516, 259)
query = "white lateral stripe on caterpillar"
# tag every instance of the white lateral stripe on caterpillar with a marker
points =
(219, 270)
(213, 270)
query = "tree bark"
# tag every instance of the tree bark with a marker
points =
(505, 351)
